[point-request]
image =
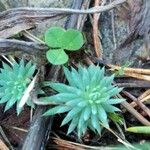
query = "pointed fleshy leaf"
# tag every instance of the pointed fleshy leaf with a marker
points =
(85, 77)
(73, 102)
(61, 97)
(84, 128)
(91, 127)
(70, 115)
(96, 77)
(6, 67)
(95, 123)
(87, 113)
(103, 99)
(109, 108)
(73, 125)
(62, 88)
(56, 110)
(94, 109)
(81, 120)
(10, 103)
(5, 98)
(30, 71)
(102, 115)
(115, 101)
(83, 103)
(76, 78)
(68, 76)
(114, 91)
(28, 65)
(21, 70)
(109, 80)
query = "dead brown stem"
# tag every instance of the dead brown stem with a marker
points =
(138, 102)
(145, 96)
(96, 40)
(130, 70)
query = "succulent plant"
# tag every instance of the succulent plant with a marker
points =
(87, 99)
(13, 82)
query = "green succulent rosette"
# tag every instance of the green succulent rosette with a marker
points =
(86, 99)
(13, 82)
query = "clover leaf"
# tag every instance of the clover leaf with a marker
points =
(53, 37)
(57, 56)
(59, 39)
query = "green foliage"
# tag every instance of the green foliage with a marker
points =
(120, 72)
(13, 82)
(140, 129)
(87, 99)
(59, 39)
(116, 118)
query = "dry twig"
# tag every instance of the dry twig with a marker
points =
(46, 11)
(96, 40)
(130, 70)
(138, 102)
(10, 46)
(3, 146)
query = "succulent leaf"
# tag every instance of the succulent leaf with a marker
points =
(57, 109)
(73, 125)
(14, 81)
(88, 98)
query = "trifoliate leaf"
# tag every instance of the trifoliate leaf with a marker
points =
(60, 39)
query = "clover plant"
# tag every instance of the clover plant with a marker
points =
(13, 82)
(59, 40)
(87, 99)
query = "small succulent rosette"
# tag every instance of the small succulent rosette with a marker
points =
(86, 99)
(14, 80)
